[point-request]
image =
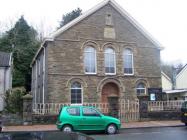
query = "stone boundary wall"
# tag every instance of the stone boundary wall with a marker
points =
(44, 119)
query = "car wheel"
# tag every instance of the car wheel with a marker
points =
(186, 124)
(67, 128)
(111, 129)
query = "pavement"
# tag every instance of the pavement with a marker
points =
(52, 127)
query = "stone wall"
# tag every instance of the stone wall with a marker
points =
(164, 115)
(65, 58)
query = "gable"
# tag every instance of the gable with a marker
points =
(91, 25)
(166, 82)
(182, 78)
(115, 6)
(182, 72)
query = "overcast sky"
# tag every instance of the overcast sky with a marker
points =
(165, 20)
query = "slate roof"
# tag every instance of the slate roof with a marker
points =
(5, 59)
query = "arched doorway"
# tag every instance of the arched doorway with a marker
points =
(110, 95)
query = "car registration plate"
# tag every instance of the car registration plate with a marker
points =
(185, 114)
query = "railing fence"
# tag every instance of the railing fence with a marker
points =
(165, 105)
(127, 110)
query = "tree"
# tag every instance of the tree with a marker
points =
(70, 16)
(22, 41)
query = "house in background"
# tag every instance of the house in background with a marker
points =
(181, 81)
(180, 91)
(102, 56)
(166, 82)
(5, 75)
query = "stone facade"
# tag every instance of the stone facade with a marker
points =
(64, 58)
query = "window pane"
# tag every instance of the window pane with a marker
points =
(140, 89)
(109, 60)
(76, 93)
(128, 61)
(90, 60)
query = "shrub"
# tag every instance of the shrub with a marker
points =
(14, 101)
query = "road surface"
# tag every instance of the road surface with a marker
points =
(162, 133)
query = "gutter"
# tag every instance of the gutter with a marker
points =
(40, 48)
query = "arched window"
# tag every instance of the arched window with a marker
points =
(128, 62)
(76, 93)
(90, 60)
(141, 89)
(110, 61)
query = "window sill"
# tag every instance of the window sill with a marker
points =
(110, 73)
(76, 104)
(129, 74)
(90, 73)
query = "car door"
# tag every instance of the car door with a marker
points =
(73, 117)
(91, 119)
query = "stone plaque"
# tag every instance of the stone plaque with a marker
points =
(109, 32)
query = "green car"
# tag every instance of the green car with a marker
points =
(72, 118)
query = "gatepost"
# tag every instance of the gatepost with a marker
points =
(27, 109)
(143, 108)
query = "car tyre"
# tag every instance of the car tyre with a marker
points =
(67, 128)
(186, 124)
(111, 129)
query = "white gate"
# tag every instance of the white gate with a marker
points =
(129, 110)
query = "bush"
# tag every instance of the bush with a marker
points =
(14, 101)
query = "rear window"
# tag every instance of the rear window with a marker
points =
(74, 111)
(90, 112)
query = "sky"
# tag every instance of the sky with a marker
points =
(165, 20)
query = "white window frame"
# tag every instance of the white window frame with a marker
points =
(124, 62)
(114, 61)
(95, 60)
(145, 93)
(81, 94)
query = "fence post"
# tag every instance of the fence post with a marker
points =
(27, 109)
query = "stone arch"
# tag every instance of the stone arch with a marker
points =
(127, 47)
(71, 80)
(90, 43)
(144, 81)
(141, 80)
(110, 45)
(110, 80)
(83, 87)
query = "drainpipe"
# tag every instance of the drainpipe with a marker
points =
(43, 75)
(174, 74)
